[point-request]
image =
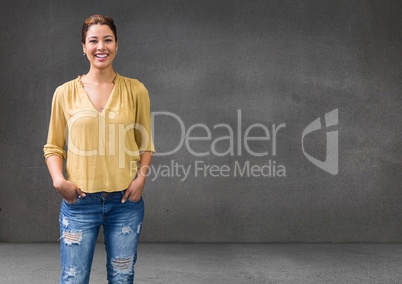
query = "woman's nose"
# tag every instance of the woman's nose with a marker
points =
(100, 45)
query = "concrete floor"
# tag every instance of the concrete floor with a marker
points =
(220, 263)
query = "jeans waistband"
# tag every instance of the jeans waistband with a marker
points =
(106, 195)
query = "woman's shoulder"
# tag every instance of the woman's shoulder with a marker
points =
(67, 88)
(131, 82)
(133, 86)
(69, 85)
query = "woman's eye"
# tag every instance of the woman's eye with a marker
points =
(92, 41)
(108, 40)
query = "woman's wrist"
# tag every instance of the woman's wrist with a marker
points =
(141, 176)
(58, 181)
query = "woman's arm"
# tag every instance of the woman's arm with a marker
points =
(134, 191)
(67, 189)
(54, 149)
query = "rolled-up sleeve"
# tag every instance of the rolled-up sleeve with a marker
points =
(143, 128)
(56, 138)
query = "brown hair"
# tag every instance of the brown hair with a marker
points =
(97, 19)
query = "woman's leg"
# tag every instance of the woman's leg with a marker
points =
(122, 227)
(79, 227)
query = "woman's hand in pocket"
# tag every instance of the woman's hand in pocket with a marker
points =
(134, 190)
(68, 190)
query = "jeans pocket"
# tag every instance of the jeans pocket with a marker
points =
(77, 200)
(135, 202)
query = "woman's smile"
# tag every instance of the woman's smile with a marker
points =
(101, 56)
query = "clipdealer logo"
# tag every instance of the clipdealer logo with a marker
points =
(237, 141)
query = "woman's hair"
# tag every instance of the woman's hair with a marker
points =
(97, 19)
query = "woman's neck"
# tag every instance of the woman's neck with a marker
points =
(101, 76)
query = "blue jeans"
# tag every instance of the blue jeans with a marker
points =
(79, 228)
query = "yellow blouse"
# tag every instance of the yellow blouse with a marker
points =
(103, 148)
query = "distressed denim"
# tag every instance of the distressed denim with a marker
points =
(79, 227)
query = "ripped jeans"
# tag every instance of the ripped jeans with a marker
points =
(79, 228)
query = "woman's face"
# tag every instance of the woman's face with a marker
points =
(100, 46)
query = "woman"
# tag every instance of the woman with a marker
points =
(104, 118)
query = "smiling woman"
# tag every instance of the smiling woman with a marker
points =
(99, 183)
(99, 41)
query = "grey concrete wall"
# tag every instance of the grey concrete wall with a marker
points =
(207, 62)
